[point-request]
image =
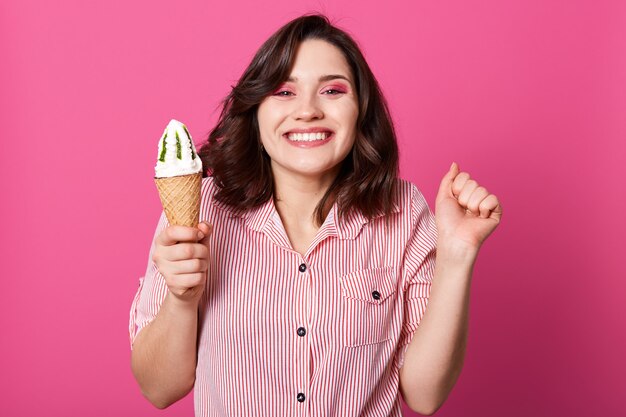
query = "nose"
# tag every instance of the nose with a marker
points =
(307, 108)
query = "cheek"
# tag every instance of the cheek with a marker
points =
(261, 117)
(265, 141)
(350, 120)
(349, 113)
(269, 117)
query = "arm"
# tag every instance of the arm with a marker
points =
(164, 352)
(466, 215)
(434, 358)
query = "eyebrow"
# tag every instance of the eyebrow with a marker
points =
(324, 77)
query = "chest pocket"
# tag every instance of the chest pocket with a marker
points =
(368, 301)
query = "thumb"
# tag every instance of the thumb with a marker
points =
(445, 188)
(207, 229)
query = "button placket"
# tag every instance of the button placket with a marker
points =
(301, 330)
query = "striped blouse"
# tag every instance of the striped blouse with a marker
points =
(320, 335)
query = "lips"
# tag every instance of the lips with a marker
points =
(309, 130)
(314, 133)
(308, 140)
(308, 137)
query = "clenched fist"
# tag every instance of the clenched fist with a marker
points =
(466, 213)
(182, 255)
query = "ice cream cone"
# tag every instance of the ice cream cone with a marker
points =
(180, 197)
(178, 176)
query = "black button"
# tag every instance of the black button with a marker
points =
(301, 331)
(376, 295)
(301, 397)
(302, 268)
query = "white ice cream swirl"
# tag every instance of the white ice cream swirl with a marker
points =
(177, 153)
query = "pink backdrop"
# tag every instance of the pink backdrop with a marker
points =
(527, 96)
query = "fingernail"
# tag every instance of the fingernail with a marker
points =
(200, 235)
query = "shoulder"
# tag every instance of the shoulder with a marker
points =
(208, 186)
(409, 198)
(207, 197)
(207, 192)
(209, 203)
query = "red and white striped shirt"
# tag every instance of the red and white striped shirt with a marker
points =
(318, 335)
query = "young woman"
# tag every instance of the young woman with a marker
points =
(303, 290)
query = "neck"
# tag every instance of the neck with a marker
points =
(296, 197)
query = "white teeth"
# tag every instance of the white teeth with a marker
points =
(308, 137)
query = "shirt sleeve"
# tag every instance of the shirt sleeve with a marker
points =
(152, 290)
(418, 269)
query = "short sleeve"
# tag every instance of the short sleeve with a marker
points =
(151, 292)
(418, 269)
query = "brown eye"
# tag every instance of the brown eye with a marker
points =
(335, 90)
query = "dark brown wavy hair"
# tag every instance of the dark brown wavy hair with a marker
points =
(233, 154)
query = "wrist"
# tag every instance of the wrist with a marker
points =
(182, 303)
(457, 251)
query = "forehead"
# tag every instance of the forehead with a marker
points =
(315, 58)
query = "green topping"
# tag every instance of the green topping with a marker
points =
(178, 147)
(193, 154)
(162, 155)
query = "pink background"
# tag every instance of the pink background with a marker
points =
(529, 97)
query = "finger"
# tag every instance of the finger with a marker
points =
(174, 234)
(446, 181)
(189, 266)
(184, 251)
(207, 229)
(466, 192)
(184, 281)
(489, 205)
(204, 227)
(477, 196)
(459, 183)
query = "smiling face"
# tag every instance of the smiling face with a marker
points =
(308, 125)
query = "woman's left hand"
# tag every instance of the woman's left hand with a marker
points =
(465, 212)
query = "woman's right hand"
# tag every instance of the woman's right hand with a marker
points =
(181, 255)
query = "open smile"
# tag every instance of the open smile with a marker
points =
(308, 137)
(307, 140)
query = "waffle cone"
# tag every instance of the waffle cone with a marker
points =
(180, 197)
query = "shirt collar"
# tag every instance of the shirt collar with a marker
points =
(351, 224)
(347, 227)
